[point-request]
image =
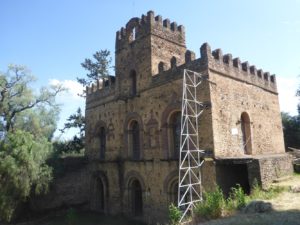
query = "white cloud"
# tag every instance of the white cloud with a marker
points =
(287, 88)
(70, 101)
(73, 88)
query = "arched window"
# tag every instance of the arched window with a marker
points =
(175, 129)
(133, 83)
(161, 67)
(173, 192)
(135, 139)
(136, 197)
(246, 133)
(102, 139)
(173, 62)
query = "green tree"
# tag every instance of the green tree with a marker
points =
(27, 122)
(22, 170)
(77, 121)
(16, 96)
(291, 130)
(98, 68)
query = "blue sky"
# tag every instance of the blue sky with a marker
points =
(53, 37)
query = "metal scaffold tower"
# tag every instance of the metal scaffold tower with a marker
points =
(189, 185)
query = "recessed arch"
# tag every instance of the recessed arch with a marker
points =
(133, 78)
(135, 188)
(133, 136)
(170, 114)
(100, 192)
(100, 138)
(246, 133)
(170, 187)
(173, 62)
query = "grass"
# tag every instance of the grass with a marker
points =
(285, 204)
(272, 192)
(215, 205)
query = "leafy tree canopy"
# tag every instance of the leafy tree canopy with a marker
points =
(27, 123)
(76, 144)
(16, 96)
(98, 68)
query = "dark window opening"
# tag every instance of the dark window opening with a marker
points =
(135, 140)
(136, 198)
(175, 124)
(133, 83)
(246, 133)
(102, 137)
(173, 62)
(161, 67)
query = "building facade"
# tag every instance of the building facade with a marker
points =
(133, 122)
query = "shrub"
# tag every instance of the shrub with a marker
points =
(212, 206)
(237, 199)
(174, 214)
(71, 216)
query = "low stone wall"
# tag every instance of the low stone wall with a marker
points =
(69, 189)
(272, 167)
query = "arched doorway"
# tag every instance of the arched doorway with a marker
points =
(98, 201)
(136, 200)
(246, 133)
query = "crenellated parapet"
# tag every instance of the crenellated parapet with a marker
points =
(218, 62)
(101, 89)
(235, 68)
(172, 70)
(138, 28)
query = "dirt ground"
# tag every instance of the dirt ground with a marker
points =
(286, 209)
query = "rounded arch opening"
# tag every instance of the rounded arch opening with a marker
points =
(246, 133)
(99, 139)
(134, 139)
(135, 197)
(174, 132)
(99, 191)
(133, 77)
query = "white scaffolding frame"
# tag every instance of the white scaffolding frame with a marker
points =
(189, 185)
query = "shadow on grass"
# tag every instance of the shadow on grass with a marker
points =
(83, 218)
(289, 217)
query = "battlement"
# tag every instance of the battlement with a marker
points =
(100, 89)
(138, 28)
(237, 69)
(216, 61)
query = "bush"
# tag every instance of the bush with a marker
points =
(174, 214)
(212, 206)
(71, 216)
(237, 198)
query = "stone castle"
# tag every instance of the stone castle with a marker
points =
(133, 123)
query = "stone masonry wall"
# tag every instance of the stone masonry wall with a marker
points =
(235, 90)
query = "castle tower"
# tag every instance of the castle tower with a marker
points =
(144, 45)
